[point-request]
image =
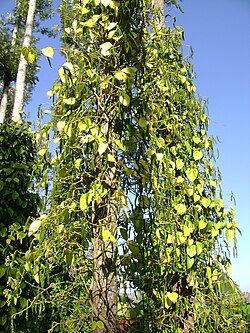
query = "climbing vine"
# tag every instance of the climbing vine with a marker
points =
(135, 234)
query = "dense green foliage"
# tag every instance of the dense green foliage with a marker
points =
(133, 200)
(18, 203)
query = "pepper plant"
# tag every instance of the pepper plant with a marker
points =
(135, 235)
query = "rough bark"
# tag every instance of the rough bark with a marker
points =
(20, 80)
(104, 291)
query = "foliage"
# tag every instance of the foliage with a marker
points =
(132, 183)
(18, 203)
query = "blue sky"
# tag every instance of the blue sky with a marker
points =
(219, 32)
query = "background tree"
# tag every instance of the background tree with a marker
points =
(135, 205)
(19, 200)
(12, 35)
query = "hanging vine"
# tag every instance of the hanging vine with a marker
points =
(135, 235)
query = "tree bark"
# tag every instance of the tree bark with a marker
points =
(6, 84)
(21, 74)
(159, 18)
(4, 102)
(104, 290)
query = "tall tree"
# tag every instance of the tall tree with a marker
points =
(21, 74)
(135, 205)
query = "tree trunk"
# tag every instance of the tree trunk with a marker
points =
(4, 102)
(6, 84)
(159, 18)
(104, 290)
(20, 80)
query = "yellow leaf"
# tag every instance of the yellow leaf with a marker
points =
(180, 208)
(84, 202)
(42, 152)
(48, 52)
(202, 224)
(106, 235)
(172, 296)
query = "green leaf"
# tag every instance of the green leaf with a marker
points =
(120, 76)
(29, 54)
(191, 250)
(142, 122)
(190, 262)
(180, 208)
(173, 297)
(124, 100)
(196, 139)
(129, 70)
(2, 270)
(199, 248)
(84, 201)
(134, 248)
(202, 224)
(230, 234)
(192, 174)
(105, 2)
(48, 51)
(179, 164)
(35, 225)
(198, 154)
(69, 101)
(105, 48)
(205, 202)
(186, 231)
(196, 197)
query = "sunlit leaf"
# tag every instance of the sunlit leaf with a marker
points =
(124, 100)
(105, 2)
(120, 76)
(29, 54)
(205, 202)
(69, 101)
(159, 156)
(106, 235)
(35, 225)
(48, 51)
(42, 152)
(129, 70)
(111, 158)
(192, 174)
(198, 154)
(180, 208)
(102, 147)
(179, 164)
(84, 202)
(230, 233)
(173, 297)
(190, 262)
(105, 48)
(191, 250)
